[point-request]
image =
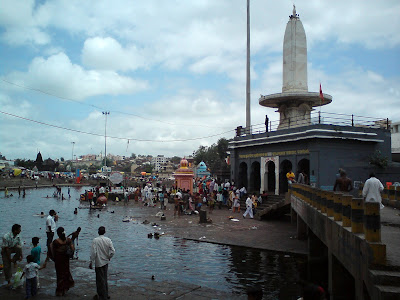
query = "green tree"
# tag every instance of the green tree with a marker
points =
(200, 155)
(148, 168)
(214, 156)
(133, 155)
(29, 164)
(176, 160)
(222, 148)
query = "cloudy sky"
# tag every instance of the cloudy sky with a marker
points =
(172, 73)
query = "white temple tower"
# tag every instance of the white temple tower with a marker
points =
(295, 103)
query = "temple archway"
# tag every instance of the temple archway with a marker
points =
(304, 165)
(255, 177)
(242, 180)
(269, 177)
(286, 166)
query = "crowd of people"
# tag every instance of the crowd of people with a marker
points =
(208, 195)
(59, 250)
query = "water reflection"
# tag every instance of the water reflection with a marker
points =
(215, 266)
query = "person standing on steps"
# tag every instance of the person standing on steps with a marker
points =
(101, 253)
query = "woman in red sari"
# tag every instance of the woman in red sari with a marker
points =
(61, 260)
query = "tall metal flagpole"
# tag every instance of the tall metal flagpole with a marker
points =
(248, 119)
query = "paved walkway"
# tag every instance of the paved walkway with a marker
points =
(390, 232)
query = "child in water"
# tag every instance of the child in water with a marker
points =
(74, 236)
(30, 272)
(35, 252)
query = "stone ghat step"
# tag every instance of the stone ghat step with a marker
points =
(383, 277)
(388, 292)
(393, 268)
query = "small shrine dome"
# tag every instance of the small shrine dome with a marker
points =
(202, 166)
(184, 163)
(202, 170)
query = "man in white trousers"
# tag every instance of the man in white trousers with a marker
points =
(249, 208)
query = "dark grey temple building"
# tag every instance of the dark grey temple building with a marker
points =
(306, 139)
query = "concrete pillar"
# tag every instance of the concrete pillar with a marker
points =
(357, 215)
(323, 201)
(293, 216)
(337, 206)
(329, 204)
(301, 229)
(346, 210)
(262, 174)
(317, 267)
(341, 282)
(372, 222)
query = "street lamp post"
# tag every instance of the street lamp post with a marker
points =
(105, 138)
(73, 144)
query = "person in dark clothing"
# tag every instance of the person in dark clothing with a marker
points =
(343, 183)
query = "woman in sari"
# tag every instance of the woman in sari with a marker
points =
(61, 260)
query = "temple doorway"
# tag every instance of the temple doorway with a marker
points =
(242, 180)
(271, 177)
(304, 165)
(255, 177)
(286, 166)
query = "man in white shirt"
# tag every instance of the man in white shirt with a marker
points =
(249, 208)
(242, 191)
(101, 253)
(227, 185)
(372, 190)
(50, 227)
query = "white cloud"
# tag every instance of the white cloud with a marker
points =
(57, 75)
(108, 54)
(20, 107)
(21, 26)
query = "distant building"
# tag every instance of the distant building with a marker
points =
(158, 161)
(6, 163)
(395, 130)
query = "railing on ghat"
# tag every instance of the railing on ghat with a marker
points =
(361, 218)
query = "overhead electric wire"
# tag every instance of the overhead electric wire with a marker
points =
(101, 108)
(109, 136)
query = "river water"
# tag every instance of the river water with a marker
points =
(215, 266)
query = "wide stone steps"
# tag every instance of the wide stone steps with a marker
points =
(273, 203)
(383, 277)
(386, 282)
(388, 292)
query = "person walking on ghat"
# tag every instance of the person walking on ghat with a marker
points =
(11, 244)
(101, 253)
(249, 208)
(372, 190)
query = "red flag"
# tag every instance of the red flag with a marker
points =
(320, 93)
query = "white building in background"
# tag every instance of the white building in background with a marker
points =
(395, 129)
(158, 161)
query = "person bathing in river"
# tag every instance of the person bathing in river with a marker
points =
(75, 236)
